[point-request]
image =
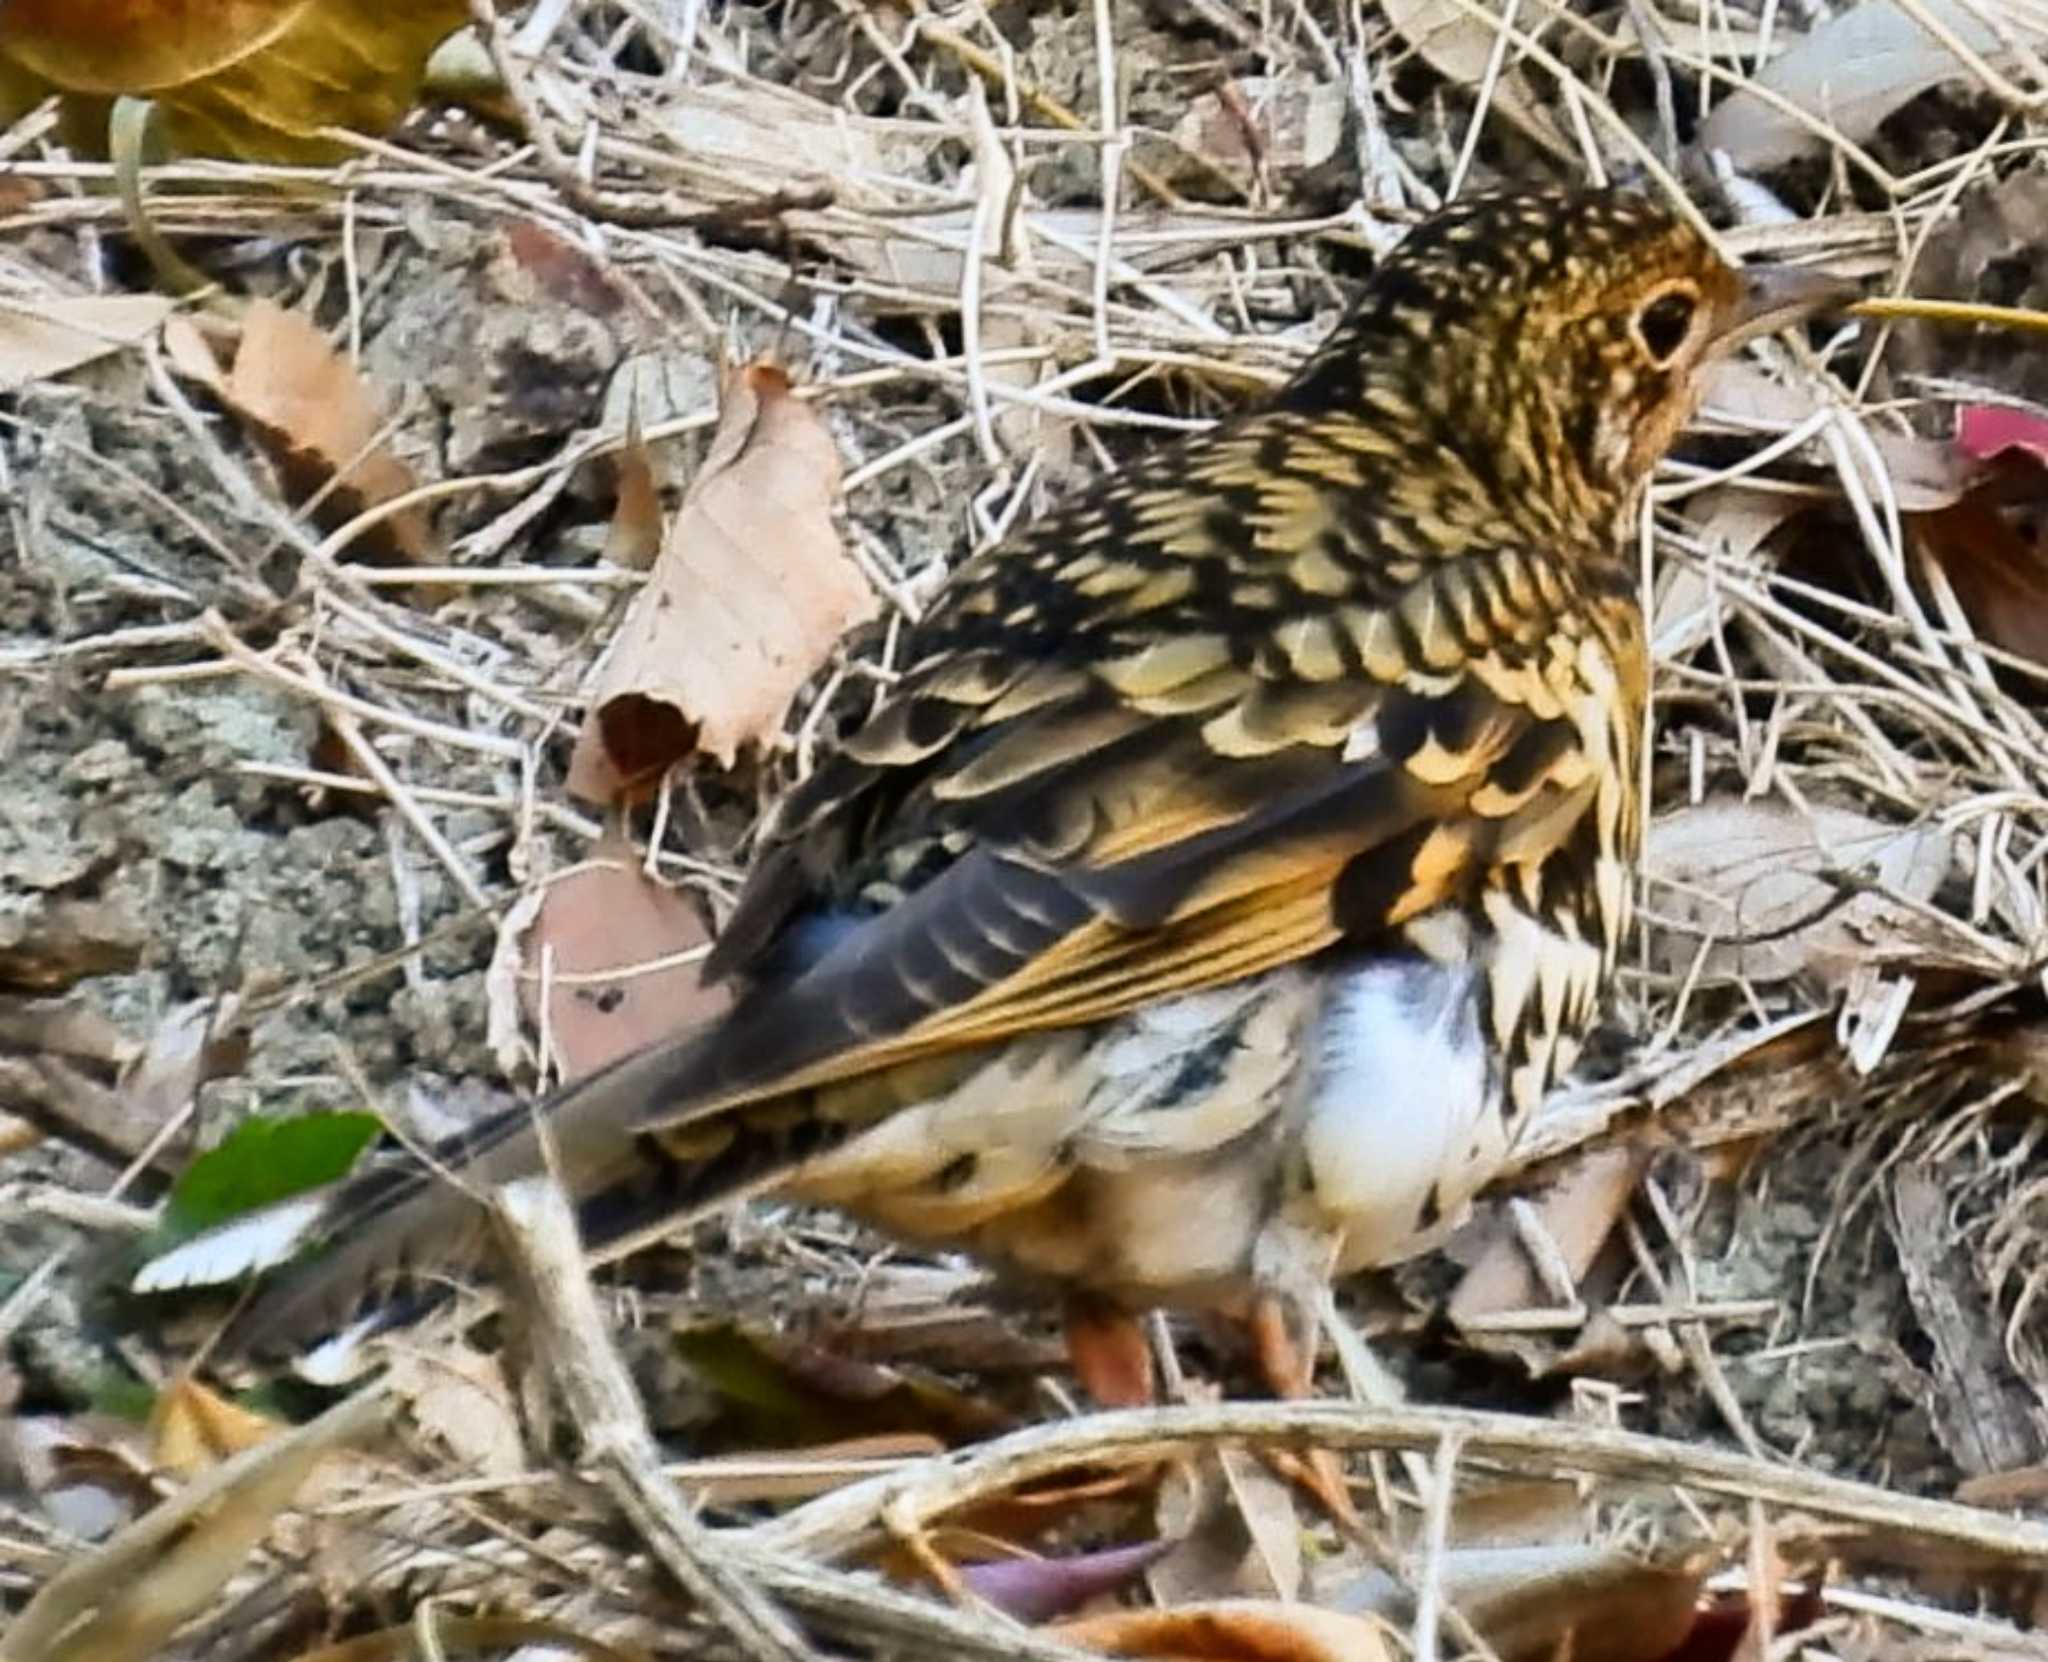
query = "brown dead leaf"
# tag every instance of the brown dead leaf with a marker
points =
(17, 193)
(45, 337)
(1990, 544)
(194, 1043)
(597, 926)
(193, 1428)
(750, 594)
(2000, 578)
(320, 421)
(1578, 1212)
(559, 269)
(84, 1471)
(1269, 128)
(1232, 1630)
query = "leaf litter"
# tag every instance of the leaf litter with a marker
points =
(1789, 692)
(750, 594)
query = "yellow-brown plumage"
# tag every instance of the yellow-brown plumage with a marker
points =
(1354, 680)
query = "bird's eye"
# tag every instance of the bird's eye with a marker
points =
(1663, 322)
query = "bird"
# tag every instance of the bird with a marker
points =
(1243, 851)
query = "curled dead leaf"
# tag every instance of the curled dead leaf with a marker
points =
(750, 593)
(459, 1399)
(1458, 45)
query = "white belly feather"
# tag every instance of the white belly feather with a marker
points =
(1402, 1114)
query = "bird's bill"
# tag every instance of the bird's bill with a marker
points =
(1777, 296)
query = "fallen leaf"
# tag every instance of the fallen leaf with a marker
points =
(83, 1470)
(750, 594)
(1232, 1630)
(322, 425)
(45, 337)
(598, 929)
(1985, 432)
(565, 273)
(17, 193)
(1578, 1211)
(1749, 877)
(460, 1401)
(634, 537)
(1458, 46)
(1922, 474)
(1848, 75)
(1037, 1589)
(1234, 1530)
(1534, 1603)
(264, 1160)
(2000, 577)
(117, 46)
(191, 1045)
(772, 1390)
(1989, 543)
(123, 1602)
(257, 80)
(193, 1428)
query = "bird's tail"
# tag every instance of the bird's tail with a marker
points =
(378, 1247)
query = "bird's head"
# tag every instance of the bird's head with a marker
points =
(1554, 340)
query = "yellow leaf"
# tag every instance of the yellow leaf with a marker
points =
(255, 80)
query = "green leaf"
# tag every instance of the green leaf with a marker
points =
(263, 1161)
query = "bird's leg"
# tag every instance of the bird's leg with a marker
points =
(1285, 1321)
(1287, 1359)
(1110, 1353)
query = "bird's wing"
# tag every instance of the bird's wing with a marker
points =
(1086, 795)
